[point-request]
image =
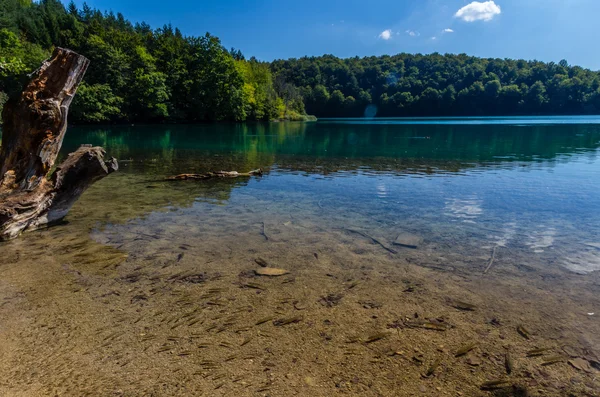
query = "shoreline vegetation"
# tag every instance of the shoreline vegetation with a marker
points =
(141, 74)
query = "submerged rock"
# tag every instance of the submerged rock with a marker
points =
(474, 361)
(408, 240)
(270, 271)
(581, 364)
(261, 262)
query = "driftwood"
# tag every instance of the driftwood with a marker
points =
(263, 232)
(373, 239)
(33, 191)
(216, 174)
(491, 260)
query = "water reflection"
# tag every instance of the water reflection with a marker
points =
(331, 148)
(541, 239)
(466, 210)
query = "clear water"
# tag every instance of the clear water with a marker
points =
(530, 184)
(149, 287)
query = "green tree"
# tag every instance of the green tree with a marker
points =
(96, 104)
(148, 92)
(537, 97)
(17, 58)
(215, 86)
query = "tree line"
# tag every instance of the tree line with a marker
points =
(439, 85)
(138, 73)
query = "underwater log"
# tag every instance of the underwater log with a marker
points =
(34, 192)
(216, 174)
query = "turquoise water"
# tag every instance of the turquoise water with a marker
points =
(528, 184)
(483, 120)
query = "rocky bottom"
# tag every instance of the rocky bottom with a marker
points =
(347, 317)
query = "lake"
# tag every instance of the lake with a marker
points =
(531, 183)
(403, 241)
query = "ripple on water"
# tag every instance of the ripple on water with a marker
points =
(382, 191)
(466, 210)
(506, 235)
(583, 262)
(541, 239)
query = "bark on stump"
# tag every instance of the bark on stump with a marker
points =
(33, 193)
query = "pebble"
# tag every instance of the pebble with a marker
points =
(408, 240)
(581, 364)
(310, 381)
(474, 361)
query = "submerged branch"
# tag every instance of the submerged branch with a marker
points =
(491, 260)
(263, 232)
(216, 174)
(373, 239)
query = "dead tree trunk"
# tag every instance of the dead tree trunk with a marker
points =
(33, 193)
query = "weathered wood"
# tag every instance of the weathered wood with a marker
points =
(216, 174)
(31, 194)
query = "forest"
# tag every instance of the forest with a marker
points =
(141, 74)
(439, 85)
(138, 73)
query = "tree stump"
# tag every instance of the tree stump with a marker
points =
(33, 192)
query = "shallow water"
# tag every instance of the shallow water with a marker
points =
(148, 288)
(533, 185)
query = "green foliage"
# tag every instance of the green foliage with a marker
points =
(96, 104)
(149, 96)
(17, 58)
(291, 102)
(214, 88)
(136, 73)
(148, 92)
(259, 94)
(434, 85)
(141, 74)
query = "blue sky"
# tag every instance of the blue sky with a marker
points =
(547, 30)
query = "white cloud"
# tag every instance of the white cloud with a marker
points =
(434, 38)
(448, 31)
(477, 11)
(412, 33)
(386, 34)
